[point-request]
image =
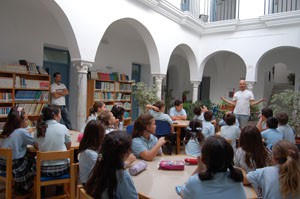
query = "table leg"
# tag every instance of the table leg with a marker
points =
(178, 140)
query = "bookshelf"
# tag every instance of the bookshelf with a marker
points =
(109, 90)
(23, 86)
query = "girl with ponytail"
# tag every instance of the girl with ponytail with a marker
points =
(215, 176)
(282, 180)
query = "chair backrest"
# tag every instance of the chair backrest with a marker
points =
(55, 155)
(7, 177)
(162, 128)
(129, 129)
(81, 194)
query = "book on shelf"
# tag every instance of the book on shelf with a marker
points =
(42, 70)
(5, 97)
(6, 82)
(14, 68)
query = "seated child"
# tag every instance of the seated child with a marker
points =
(284, 127)
(177, 112)
(262, 122)
(230, 131)
(215, 176)
(118, 113)
(271, 135)
(208, 128)
(194, 138)
(108, 120)
(144, 144)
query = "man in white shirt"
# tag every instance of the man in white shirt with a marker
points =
(58, 93)
(242, 100)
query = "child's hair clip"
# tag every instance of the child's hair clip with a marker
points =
(20, 109)
(199, 129)
(189, 128)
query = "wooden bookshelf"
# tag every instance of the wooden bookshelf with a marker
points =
(31, 91)
(111, 93)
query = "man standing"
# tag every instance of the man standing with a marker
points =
(58, 93)
(242, 100)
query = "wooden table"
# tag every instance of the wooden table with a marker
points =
(154, 183)
(179, 124)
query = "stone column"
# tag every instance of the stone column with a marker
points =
(158, 81)
(82, 70)
(195, 89)
(250, 85)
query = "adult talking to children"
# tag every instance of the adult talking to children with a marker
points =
(242, 100)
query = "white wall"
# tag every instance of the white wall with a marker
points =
(281, 73)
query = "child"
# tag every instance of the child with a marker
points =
(271, 135)
(52, 136)
(109, 179)
(108, 120)
(230, 131)
(194, 138)
(219, 179)
(144, 144)
(94, 111)
(199, 113)
(282, 180)
(89, 148)
(17, 138)
(157, 111)
(208, 128)
(284, 127)
(262, 122)
(252, 153)
(118, 113)
(223, 123)
(177, 112)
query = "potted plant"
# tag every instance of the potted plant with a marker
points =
(288, 102)
(145, 94)
(184, 95)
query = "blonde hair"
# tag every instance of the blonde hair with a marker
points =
(287, 156)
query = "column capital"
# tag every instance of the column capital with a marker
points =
(195, 83)
(159, 76)
(82, 66)
(250, 85)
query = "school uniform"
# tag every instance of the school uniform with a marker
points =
(23, 166)
(268, 180)
(87, 160)
(140, 144)
(208, 129)
(125, 188)
(271, 136)
(193, 148)
(220, 186)
(231, 132)
(174, 112)
(56, 137)
(288, 133)
(161, 116)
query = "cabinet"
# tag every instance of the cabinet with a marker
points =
(111, 93)
(30, 91)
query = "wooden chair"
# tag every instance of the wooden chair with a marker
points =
(67, 179)
(7, 177)
(81, 194)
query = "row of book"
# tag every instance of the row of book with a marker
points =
(5, 97)
(122, 96)
(106, 86)
(32, 109)
(25, 68)
(6, 82)
(30, 83)
(125, 105)
(123, 87)
(4, 111)
(32, 95)
(115, 76)
(100, 96)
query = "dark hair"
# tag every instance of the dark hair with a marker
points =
(197, 110)
(118, 112)
(272, 123)
(159, 104)
(140, 124)
(92, 137)
(104, 118)
(217, 154)
(94, 108)
(287, 156)
(267, 112)
(56, 73)
(251, 142)
(177, 102)
(48, 113)
(194, 131)
(104, 175)
(282, 118)
(208, 116)
(230, 119)
(13, 121)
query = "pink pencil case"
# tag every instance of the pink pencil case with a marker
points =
(171, 165)
(79, 138)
